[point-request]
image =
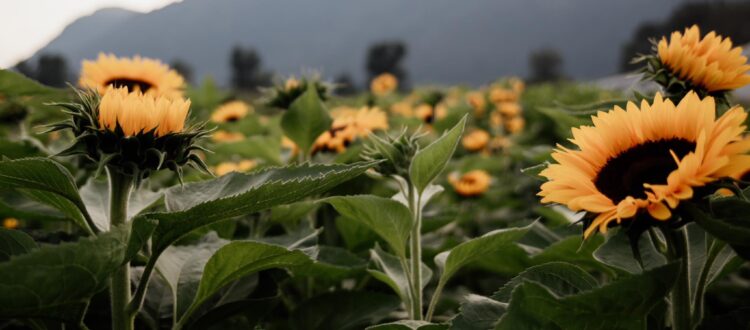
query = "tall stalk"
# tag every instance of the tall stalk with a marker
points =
(120, 186)
(680, 296)
(416, 252)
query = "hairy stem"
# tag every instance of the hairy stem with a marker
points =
(120, 186)
(416, 253)
(434, 300)
(713, 251)
(680, 296)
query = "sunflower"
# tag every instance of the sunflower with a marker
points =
(383, 84)
(136, 113)
(471, 184)
(499, 94)
(710, 63)
(10, 223)
(225, 136)
(476, 140)
(428, 113)
(136, 74)
(515, 125)
(230, 112)
(510, 109)
(402, 108)
(645, 159)
(227, 167)
(477, 102)
(349, 124)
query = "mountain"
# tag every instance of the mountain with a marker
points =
(448, 41)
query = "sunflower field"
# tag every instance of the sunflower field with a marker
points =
(130, 200)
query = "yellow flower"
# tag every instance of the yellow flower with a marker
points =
(10, 223)
(231, 111)
(383, 84)
(136, 113)
(291, 84)
(137, 74)
(227, 167)
(710, 63)
(428, 114)
(477, 102)
(515, 125)
(510, 109)
(499, 94)
(646, 158)
(496, 119)
(224, 136)
(499, 142)
(402, 108)
(348, 124)
(476, 140)
(471, 184)
(517, 85)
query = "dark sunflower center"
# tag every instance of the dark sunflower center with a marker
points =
(232, 118)
(131, 84)
(625, 174)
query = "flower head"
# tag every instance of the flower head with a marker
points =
(476, 140)
(231, 111)
(645, 160)
(470, 184)
(137, 74)
(710, 63)
(383, 84)
(136, 113)
(348, 125)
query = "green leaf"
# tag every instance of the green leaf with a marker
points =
(18, 149)
(263, 147)
(14, 242)
(238, 259)
(574, 250)
(617, 252)
(408, 325)
(388, 218)
(392, 273)
(56, 282)
(478, 313)
(333, 264)
(198, 204)
(560, 278)
(46, 181)
(493, 242)
(292, 213)
(623, 304)
(342, 310)
(430, 161)
(306, 119)
(729, 222)
(95, 195)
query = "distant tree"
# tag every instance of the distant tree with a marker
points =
(52, 70)
(546, 65)
(246, 69)
(25, 68)
(729, 19)
(386, 57)
(184, 69)
(345, 85)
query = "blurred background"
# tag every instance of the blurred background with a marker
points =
(246, 43)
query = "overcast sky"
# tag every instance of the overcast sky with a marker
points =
(27, 25)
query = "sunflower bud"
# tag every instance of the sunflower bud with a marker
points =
(396, 151)
(283, 95)
(133, 133)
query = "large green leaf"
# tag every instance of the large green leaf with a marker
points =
(14, 242)
(729, 222)
(559, 277)
(95, 195)
(467, 252)
(56, 282)
(46, 181)
(408, 325)
(306, 119)
(388, 218)
(391, 272)
(342, 310)
(478, 313)
(617, 252)
(263, 147)
(430, 161)
(198, 204)
(333, 264)
(238, 259)
(623, 304)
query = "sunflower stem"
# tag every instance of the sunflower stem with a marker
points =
(680, 297)
(120, 186)
(714, 250)
(416, 252)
